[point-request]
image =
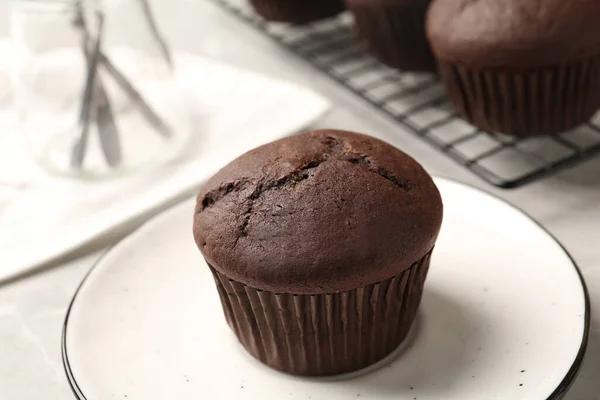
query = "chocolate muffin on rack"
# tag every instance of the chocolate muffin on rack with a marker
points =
(297, 11)
(393, 31)
(319, 241)
(519, 67)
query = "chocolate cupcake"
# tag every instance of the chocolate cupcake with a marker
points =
(393, 31)
(319, 244)
(519, 67)
(297, 11)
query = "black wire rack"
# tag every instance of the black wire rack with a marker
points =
(418, 102)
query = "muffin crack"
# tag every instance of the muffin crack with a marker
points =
(333, 147)
(337, 149)
(290, 180)
(243, 227)
(222, 191)
(366, 164)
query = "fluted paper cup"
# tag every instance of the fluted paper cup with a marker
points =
(325, 334)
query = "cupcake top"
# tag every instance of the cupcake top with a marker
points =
(514, 33)
(321, 212)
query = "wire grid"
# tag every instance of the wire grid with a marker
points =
(418, 102)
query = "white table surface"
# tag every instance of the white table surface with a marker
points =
(32, 308)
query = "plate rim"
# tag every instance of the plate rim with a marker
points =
(562, 388)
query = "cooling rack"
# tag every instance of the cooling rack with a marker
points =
(418, 102)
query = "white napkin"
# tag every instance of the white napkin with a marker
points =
(42, 218)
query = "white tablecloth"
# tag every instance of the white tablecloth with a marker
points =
(235, 110)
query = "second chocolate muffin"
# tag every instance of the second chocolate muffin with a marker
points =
(297, 11)
(394, 32)
(519, 67)
(319, 244)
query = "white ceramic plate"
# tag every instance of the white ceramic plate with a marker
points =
(505, 315)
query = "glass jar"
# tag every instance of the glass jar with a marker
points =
(94, 87)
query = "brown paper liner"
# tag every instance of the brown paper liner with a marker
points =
(324, 334)
(525, 103)
(394, 34)
(297, 11)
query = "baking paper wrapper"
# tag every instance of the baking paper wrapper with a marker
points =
(298, 12)
(395, 34)
(525, 103)
(324, 334)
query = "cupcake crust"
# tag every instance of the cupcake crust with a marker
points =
(316, 213)
(514, 33)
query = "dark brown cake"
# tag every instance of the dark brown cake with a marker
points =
(297, 11)
(319, 244)
(519, 67)
(394, 32)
